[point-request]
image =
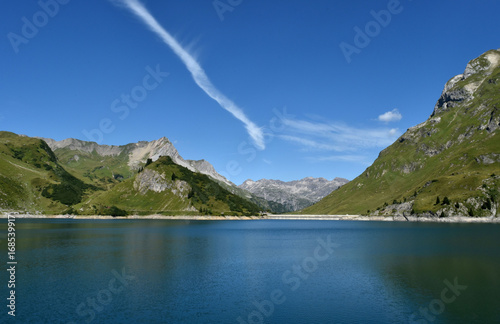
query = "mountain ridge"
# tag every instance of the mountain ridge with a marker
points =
(296, 194)
(122, 161)
(35, 179)
(138, 153)
(448, 165)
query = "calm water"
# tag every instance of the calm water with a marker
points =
(134, 271)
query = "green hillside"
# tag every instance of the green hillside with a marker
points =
(448, 165)
(92, 168)
(167, 188)
(105, 166)
(31, 179)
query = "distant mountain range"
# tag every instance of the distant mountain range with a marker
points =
(447, 165)
(294, 195)
(48, 176)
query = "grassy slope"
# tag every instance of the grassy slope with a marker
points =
(108, 171)
(202, 196)
(31, 178)
(102, 171)
(455, 172)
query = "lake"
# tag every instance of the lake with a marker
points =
(265, 271)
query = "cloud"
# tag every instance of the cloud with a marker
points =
(393, 131)
(196, 71)
(342, 158)
(338, 137)
(312, 144)
(323, 141)
(390, 116)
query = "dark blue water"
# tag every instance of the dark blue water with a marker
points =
(158, 271)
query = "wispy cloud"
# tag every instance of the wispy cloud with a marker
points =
(390, 116)
(196, 70)
(362, 159)
(312, 144)
(266, 161)
(338, 137)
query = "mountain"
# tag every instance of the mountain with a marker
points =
(32, 179)
(105, 165)
(294, 195)
(100, 163)
(447, 165)
(168, 188)
(87, 178)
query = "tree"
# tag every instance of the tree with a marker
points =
(487, 204)
(115, 211)
(148, 162)
(446, 201)
(438, 201)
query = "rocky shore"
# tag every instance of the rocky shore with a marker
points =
(181, 217)
(452, 219)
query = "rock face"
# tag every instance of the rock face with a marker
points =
(137, 154)
(457, 90)
(164, 186)
(82, 146)
(205, 167)
(455, 154)
(294, 195)
(155, 181)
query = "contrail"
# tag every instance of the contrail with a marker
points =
(199, 75)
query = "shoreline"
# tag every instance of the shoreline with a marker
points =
(409, 219)
(154, 216)
(413, 219)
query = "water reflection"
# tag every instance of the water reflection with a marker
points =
(206, 272)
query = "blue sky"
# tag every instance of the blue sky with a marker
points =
(303, 93)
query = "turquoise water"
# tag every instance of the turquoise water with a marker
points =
(269, 271)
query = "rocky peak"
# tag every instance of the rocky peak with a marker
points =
(83, 146)
(248, 182)
(138, 153)
(486, 62)
(141, 151)
(457, 90)
(204, 167)
(296, 194)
